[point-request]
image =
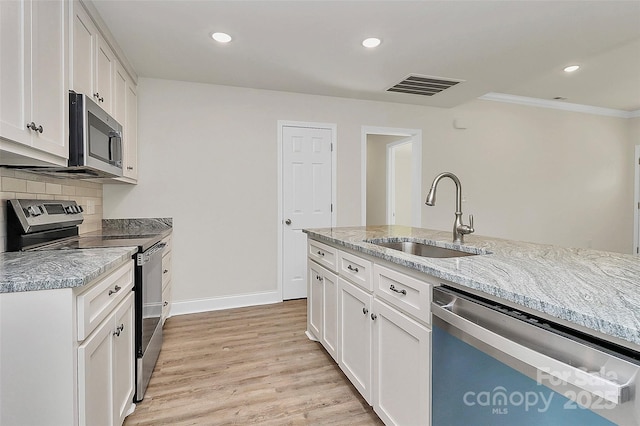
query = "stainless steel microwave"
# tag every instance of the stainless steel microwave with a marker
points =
(95, 139)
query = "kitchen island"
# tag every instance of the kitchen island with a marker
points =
(592, 291)
(378, 310)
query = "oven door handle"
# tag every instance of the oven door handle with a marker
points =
(144, 257)
(506, 351)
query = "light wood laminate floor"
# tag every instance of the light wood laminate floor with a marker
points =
(249, 365)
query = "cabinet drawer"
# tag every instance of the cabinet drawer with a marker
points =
(166, 269)
(95, 304)
(323, 254)
(409, 294)
(356, 270)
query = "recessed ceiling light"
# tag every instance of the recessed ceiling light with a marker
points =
(221, 37)
(371, 42)
(572, 68)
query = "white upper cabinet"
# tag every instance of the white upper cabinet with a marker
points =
(99, 74)
(130, 167)
(84, 48)
(33, 80)
(105, 72)
(120, 82)
(94, 64)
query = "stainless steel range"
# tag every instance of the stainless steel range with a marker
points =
(53, 225)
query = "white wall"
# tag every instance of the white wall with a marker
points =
(208, 159)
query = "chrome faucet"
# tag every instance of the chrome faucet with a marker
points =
(459, 229)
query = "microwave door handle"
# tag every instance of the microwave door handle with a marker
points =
(114, 137)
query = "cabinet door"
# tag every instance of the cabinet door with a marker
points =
(330, 313)
(401, 368)
(131, 133)
(315, 302)
(84, 52)
(119, 96)
(123, 360)
(33, 70)
(49, 93)
(355, 335)
(166, 302)
(15, 51)
(105, 71)
(95, 376)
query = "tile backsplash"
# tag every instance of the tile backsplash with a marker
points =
(20, 184)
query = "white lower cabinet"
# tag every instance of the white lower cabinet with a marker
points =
(323, 307)
(401, 368)
(166, 279)
(383, 332)
(59, 366)
(105, 370)
(355, 336)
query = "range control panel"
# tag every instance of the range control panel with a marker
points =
(41, 215)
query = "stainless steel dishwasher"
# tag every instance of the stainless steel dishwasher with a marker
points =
(494, 365)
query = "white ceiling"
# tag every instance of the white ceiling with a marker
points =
(512, 47)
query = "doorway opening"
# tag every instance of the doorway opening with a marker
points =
(391, 181)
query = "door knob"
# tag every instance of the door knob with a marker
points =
(288, 221)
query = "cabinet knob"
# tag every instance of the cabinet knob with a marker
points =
(119, 330)
(287, 222)
(34, 127)
(373, 317)
(365, 311)
(165, 303)
(129, 168)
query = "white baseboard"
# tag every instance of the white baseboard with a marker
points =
(183, 307)
(310, 336)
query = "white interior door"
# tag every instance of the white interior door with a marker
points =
(306, 198)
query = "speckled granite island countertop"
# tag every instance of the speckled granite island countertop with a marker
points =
(55, 269)
(593, 291)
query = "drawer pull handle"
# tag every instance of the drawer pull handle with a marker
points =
(351, 268)
(119, 330)
(115, 290)
(320, 253)
(165, 271)
(393, 288)
(365, 311)
(318, 277)
(373, 317)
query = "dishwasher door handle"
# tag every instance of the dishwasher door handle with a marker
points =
(504, 349)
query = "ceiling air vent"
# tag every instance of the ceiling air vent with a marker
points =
(423, 85)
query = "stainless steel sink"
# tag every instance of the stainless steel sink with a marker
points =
(421, 249)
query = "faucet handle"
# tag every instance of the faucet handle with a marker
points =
(471, 222)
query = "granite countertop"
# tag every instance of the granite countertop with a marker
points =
(55, 269)
(595, 290)
(75, 266)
